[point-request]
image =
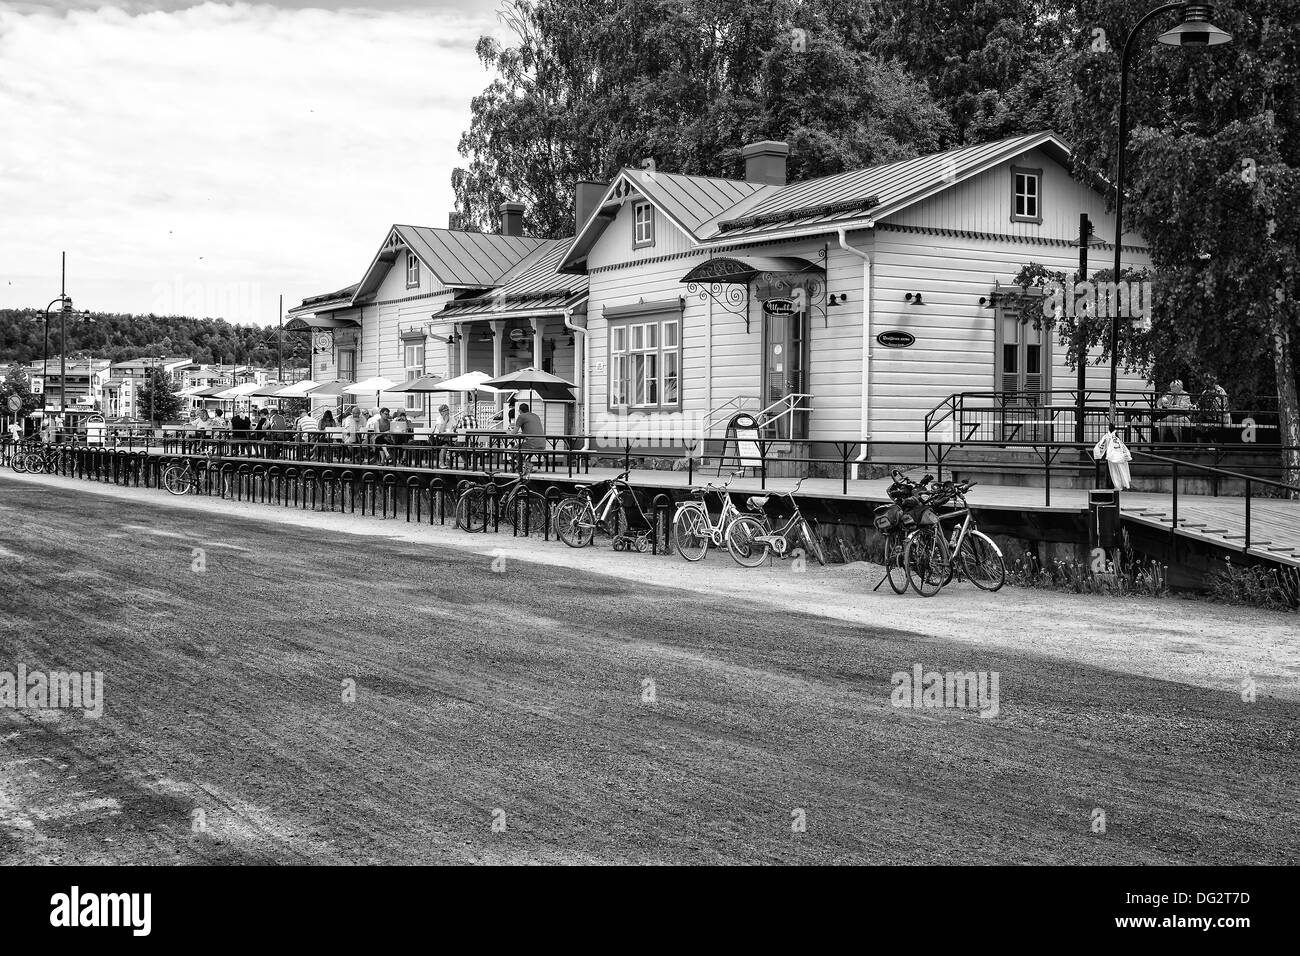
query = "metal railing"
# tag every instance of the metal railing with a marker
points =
(1053, 416)
(1251, 483)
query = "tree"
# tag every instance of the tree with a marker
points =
(16, 382)
(157, 399)
(1213, 175)
(590, 86)
(991, 65)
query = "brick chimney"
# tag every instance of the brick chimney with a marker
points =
(512, 219)
(586, 197)
(765, 162)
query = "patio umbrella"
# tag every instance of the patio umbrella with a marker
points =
(365, 387)
(534, 379)
(547, 387)
(270, 390)
(297, 389)
(238, 391)
(425, 383)
(469, 382)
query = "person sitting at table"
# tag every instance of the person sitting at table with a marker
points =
(239, 427)
(308, 432)
(442, 433)
(354, 423)
(383, 424)
(1178, 403)
(401, 429)
(532, 436)
(276, 428)
(1212, 408)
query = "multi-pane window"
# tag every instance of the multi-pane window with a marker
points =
(643, 224)
(413, 358)
(645, 364)
(412, 270)
(347, 367)
(1026, 195)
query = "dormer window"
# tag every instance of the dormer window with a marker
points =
(1026, 195)
(412, 271)
(643, 225)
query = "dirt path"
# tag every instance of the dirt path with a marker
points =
(522, 688)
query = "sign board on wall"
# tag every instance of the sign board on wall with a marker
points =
(779, 306)
(896, 339)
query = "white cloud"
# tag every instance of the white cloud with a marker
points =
(236, 147)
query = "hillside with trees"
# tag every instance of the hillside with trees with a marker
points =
(118, 336)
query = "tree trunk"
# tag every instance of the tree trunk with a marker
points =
(1288, 408)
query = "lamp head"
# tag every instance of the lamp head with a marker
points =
(1196, 30)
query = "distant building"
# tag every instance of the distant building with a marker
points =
(83, 389)
(127, 379)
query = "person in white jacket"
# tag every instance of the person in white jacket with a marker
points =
(1112, 448)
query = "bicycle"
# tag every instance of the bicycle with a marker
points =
(751, 539)
(471, 509)
(592, 508)
(694, 528)
(978, 558)
(932, 560)
(896, 522)
(183, 478)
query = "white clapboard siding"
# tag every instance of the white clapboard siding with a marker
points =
(954, 349)
(983, 204)
(615, 244)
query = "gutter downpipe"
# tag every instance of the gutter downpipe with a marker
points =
(866, 343)
(580, 337)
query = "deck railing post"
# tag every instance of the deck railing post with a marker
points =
(1248, 491)
(1047, 476)
(1173, 527)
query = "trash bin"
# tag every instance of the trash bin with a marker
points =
(1103, 518)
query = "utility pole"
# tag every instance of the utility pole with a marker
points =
(279, 339)
(1080, 333)
(63, 341)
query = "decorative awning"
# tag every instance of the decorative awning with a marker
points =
(312, 323)
(740, 270)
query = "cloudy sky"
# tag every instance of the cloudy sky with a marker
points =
(206, 157)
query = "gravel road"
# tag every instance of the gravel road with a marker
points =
(601, 713)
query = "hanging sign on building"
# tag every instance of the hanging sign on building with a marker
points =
(896, 339)
(779, 307)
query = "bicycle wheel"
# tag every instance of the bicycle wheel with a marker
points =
(981, 561)
(575, 523)
(532, 511)
(689, 534)
(895, 570)
(742, 543)
(925, 556)
(812, 544)
(472, 511)
(177, 479)
(19, 461)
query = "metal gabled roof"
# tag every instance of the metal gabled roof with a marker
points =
(877, 191)
(532, 286)
(459, 259)
(691, 203)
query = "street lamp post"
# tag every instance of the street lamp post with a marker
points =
(1195, 30)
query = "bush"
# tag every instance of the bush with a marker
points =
(1253, 585)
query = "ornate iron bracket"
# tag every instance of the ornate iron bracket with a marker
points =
(812, 286)
(726, 296)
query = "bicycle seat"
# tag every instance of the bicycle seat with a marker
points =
(760, 501)
(578, 489)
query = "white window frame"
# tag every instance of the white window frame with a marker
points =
(412, 271)
(413, 360)
(1023, 198)
(643, 225)
(645, 364)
